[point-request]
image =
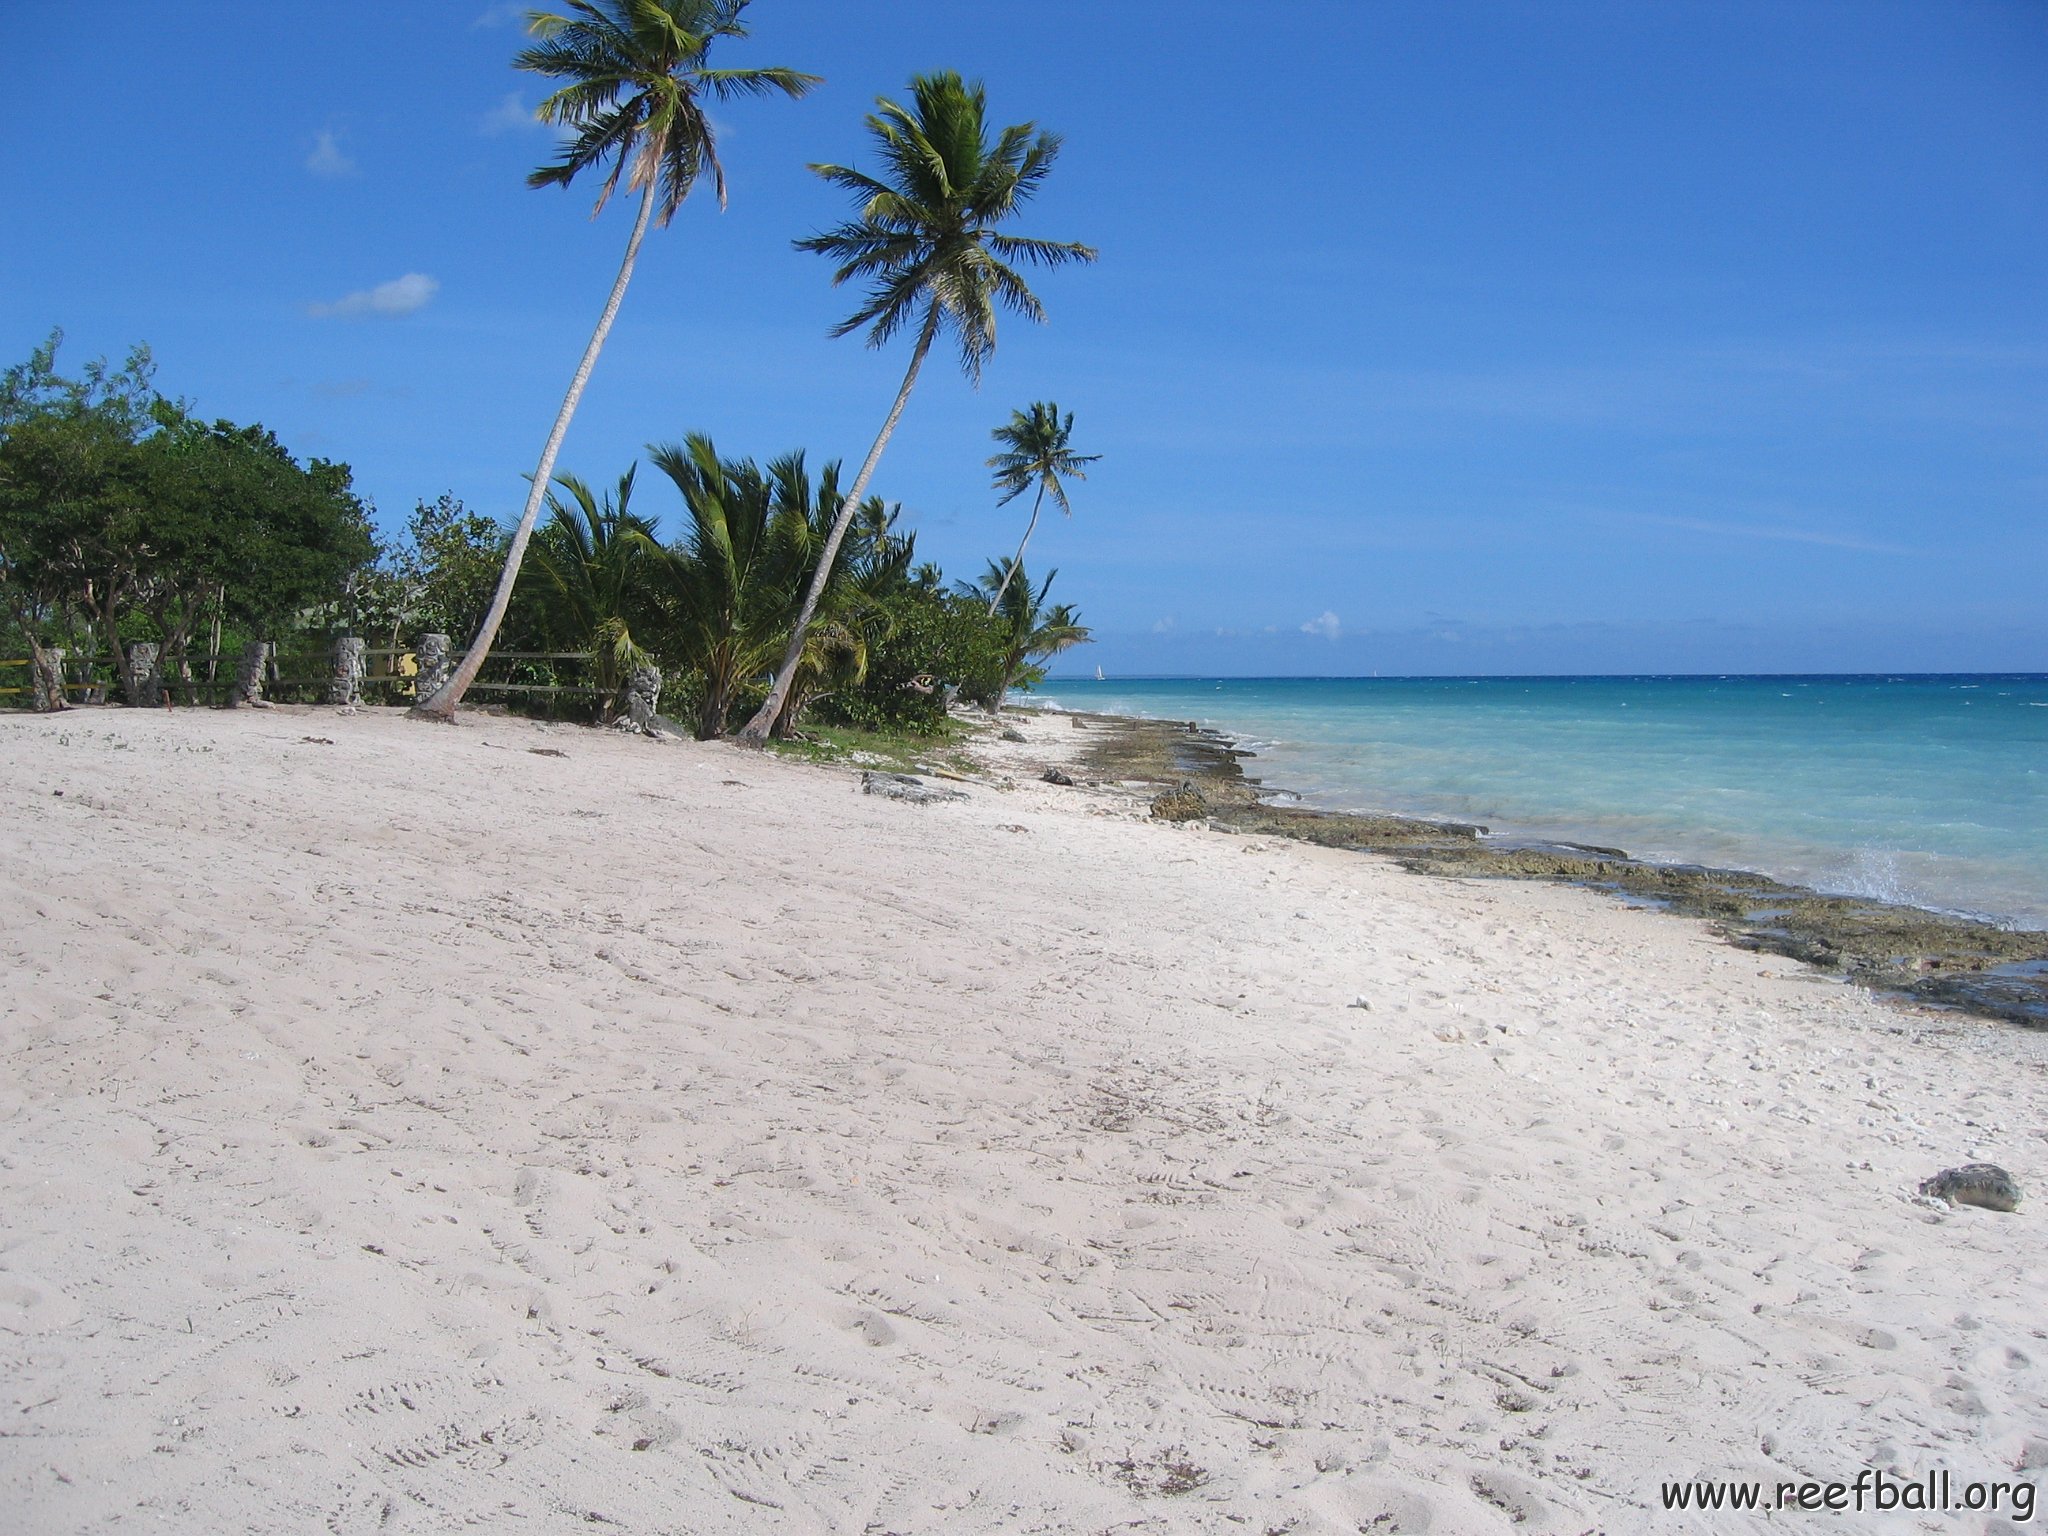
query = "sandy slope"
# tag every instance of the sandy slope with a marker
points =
(413, 1132)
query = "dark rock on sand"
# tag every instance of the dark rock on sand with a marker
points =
(1984, 1184)
(1054, 776)
(904, 786)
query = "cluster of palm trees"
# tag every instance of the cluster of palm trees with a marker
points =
(720, 601)
(718, 604)
(767, 582)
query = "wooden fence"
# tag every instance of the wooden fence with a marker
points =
(304, 676)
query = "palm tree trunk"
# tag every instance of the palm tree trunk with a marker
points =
(442, 705)
(1017, 564)
(756, 730)
(711, 713)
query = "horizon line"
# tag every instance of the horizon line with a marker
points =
(1520, 677)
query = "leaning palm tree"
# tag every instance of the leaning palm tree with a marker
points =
(1038, 449)
(587, 579)
(926, 244)
(635, 76)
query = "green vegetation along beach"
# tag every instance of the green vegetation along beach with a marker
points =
(574, 964)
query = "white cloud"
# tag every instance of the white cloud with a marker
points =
(499, 15)
(401, 296)
(1324, 624)
(510, 115)
(1163, 626)
(328, 157)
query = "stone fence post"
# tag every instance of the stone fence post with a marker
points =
(145, 681)
(345, 685)
(249, 673)
(432, 655)
(643, 700)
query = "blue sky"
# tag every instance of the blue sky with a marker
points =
(1427, 337)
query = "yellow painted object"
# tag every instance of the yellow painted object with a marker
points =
(395, 666)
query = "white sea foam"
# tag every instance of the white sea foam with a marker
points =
(1874, 873)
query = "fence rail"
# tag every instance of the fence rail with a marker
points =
(301, 671)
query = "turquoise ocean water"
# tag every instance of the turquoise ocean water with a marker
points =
(1921, 789)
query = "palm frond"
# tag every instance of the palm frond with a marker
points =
(1040, 253)
(889, 310)
(732, 84)
(919, 240)
(634, 73)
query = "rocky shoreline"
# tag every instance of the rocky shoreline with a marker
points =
(1931, 957)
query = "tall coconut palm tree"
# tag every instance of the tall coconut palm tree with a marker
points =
(925, 243)
(587, 579)
(1038, 449)
(636, 76)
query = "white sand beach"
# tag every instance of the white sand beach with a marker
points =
(516, 1127)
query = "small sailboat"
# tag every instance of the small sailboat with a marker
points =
(1098, 675)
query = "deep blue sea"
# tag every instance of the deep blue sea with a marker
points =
(1931, 790)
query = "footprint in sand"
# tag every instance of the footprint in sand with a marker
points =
(629, 1420)
(874, 1328)
(1382, 1510)
(29, 1304)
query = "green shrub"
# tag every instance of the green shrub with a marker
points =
(931, 641)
